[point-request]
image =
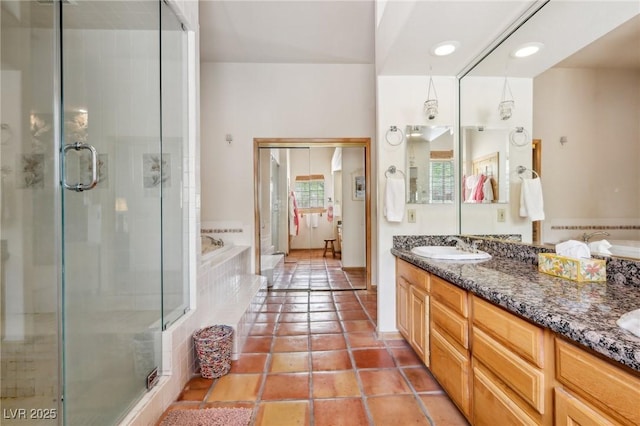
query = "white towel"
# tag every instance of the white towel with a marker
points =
(314, 220)
(307, 220)
(394, 199)
(601, 247)
(573, 248)
(531, 203)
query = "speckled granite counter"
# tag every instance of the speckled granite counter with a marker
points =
(583, 312)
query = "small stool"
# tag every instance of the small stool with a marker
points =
(326, 247)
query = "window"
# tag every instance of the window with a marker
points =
(310, 191)
(442, 181)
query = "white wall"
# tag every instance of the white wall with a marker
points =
(479, 99)
(354, 229)
(400, 102)
(595, 174)
(272, 100)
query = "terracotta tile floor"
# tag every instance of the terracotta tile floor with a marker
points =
(313, 359)
(309, 269)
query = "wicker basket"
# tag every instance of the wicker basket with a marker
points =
(213, 347)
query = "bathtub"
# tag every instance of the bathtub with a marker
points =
(212, 253)
(625, 248)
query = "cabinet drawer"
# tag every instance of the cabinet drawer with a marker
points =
(515, 333)
(609, 388)
(450, 323)
(451, 369)
(492, 404)
(524, 379)
(451, 296)
(571, 411)
(412, 274)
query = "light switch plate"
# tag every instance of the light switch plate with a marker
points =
(411, 213)
(501, 215)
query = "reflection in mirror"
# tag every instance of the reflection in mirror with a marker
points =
(430, 164)
(485, 168)
(582, 108)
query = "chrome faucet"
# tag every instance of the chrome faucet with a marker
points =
(214, 241)
(586, 237)
(462, 245)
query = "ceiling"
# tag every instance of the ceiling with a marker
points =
(397, 35)
(344, 32)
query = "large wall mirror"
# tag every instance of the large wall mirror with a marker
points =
(430, 164)
(572, 118)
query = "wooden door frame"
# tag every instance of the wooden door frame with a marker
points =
(314, 143)
(536, 165)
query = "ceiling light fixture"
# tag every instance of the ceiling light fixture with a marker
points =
(527, 49)
(445, 48)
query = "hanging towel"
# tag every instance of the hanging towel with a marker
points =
(314, 220)
(394, 199)
(294, 220)
(531, 203)
(478, 194)
(487, 190)
(307, 219)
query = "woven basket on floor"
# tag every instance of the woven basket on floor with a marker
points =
(213, 347)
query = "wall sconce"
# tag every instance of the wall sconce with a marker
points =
(431, 104)
(507, 104)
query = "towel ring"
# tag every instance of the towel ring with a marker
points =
(522, 169)
(519, 141)
(393, 130)
(393, 170)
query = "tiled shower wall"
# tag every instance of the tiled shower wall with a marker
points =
(178, 356)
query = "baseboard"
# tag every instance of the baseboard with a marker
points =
(353, 268)
(390, 335)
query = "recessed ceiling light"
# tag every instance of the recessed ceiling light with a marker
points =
(445, 48)
(527, 49)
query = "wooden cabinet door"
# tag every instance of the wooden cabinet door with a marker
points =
(570, 411)
(451, 369)
(402, 307)
(419, 325)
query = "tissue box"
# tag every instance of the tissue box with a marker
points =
(582, 270)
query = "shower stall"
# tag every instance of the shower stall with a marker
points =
(93, 217)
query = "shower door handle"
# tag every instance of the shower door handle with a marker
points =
(79, 187)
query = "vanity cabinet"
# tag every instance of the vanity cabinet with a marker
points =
(500, 369)
(512, 380)
(594, 391)
(449, 338)
(412, 307)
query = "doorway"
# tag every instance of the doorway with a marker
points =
(315, 193)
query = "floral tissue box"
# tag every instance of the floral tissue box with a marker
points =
(593, 270)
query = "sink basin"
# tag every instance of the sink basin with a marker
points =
(630, 322)
(449, 253)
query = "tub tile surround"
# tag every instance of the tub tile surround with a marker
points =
(225, 284)
(583, 312)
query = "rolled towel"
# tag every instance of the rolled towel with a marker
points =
(601, 247)
(573, 248)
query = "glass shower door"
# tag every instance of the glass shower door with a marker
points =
(113, 171)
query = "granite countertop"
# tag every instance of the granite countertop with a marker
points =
(585, 313)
